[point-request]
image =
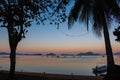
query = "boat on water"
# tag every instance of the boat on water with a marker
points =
(99, 70)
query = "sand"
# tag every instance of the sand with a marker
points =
(49, 76)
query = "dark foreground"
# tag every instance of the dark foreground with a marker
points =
(46, 76)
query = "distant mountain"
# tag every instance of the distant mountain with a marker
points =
(34, 54)
(88, 54)
(4, 53)
(118, 53)
(26, 54)
(51, 54)
(67, 54)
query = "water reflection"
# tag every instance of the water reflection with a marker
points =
(79, 65)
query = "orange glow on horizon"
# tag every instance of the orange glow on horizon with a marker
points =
(61, 48)
(65, 49)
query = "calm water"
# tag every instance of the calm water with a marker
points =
(79, 65)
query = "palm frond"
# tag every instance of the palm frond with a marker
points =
(86, 12)
(98, 17)
(114, 8)
(97, 29)
(99, 12)
(73, 16)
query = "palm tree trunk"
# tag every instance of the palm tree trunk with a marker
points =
(109, 53)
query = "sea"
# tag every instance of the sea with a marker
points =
(80, 65)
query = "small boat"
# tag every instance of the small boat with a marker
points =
(99, 70)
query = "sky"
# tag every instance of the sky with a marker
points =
(47, 39)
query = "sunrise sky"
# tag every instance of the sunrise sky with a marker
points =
(45, 39)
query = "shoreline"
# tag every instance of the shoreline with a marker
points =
(50, 76)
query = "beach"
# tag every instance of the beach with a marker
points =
(47, 76)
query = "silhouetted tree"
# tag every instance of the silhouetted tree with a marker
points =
(100, 13)
(117, 33)
(17, 15)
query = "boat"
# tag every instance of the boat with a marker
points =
(100, 70)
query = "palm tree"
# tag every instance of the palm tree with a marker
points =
(100, 13)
